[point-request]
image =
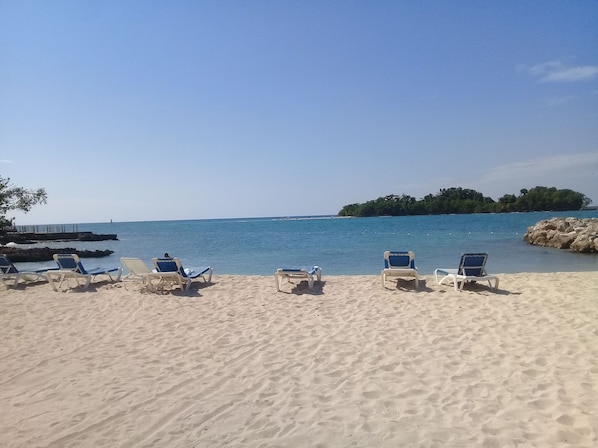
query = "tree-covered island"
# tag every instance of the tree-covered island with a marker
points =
(457, 200)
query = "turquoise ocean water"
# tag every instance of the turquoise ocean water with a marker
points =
(341, 246)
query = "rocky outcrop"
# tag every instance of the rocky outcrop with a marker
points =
(29, 237)
(18, 255)
(575, 234)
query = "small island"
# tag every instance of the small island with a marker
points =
(459, 200)
(575, 234)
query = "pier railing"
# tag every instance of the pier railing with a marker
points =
(55, 228)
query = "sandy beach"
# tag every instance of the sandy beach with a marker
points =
(237, 364)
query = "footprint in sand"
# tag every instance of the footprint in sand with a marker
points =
(566, 420)
(541, 404)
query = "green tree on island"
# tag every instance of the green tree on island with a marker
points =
(17, 198)
(463, 200)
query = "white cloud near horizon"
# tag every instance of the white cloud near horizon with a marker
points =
(574, 171)
(557, 71)
(577, 172)
(557, 101)
(547, 165)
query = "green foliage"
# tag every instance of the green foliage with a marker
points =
(463, 200)
(17, 198)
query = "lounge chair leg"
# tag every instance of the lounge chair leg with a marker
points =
(277, 281)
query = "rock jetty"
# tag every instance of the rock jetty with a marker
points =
(33, 237)
(575, 234)
(11, 240)
(19, 255)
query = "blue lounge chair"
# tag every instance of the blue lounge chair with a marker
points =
(309, 274)
(399, 264)
(137, 270)
(186, 276)
(8, 272)
(70, 266)
(472, 268)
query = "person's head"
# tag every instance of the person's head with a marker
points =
(166, 255)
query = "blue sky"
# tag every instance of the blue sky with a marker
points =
(152, 110)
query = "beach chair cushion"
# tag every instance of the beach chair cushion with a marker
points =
(165, 265)
(70, 267)
(311, 274)
(399, 264)
(9, 272)
(472, 268)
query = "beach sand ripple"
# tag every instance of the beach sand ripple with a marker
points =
(236, 364)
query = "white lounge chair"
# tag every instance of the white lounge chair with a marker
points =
(309, 274)
(472, 268)
(186, 276)
(399, 264)
(138, 271)
(9, 273)
(70, 267)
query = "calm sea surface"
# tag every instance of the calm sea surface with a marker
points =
(341, 246)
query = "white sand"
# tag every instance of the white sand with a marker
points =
(236, 364)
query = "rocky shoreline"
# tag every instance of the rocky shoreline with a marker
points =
(9, 241)
(31, 237)
(574, 234)
(19, 255)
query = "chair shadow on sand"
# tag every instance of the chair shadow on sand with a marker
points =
(92, 288)
(408, 285)
(482, 289)
(173, 290)
(302, 288)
